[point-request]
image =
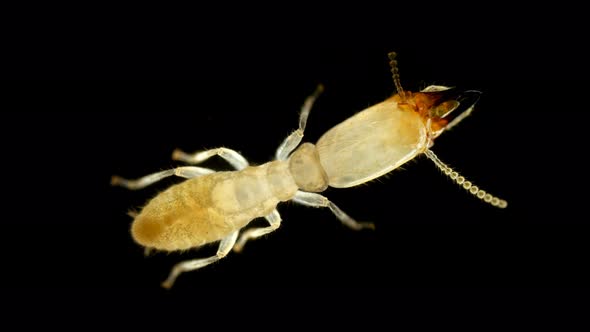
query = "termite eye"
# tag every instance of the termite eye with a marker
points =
(443, 109)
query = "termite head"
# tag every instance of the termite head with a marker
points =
(440, 107)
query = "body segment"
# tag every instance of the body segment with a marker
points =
(371, 143)
(207, 208)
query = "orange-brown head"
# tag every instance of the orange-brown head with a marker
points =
(439, 106)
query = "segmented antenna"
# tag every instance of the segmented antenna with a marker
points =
(467, 185)
(395, 74)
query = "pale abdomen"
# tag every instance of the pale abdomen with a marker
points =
(208, 208)
(370, 144)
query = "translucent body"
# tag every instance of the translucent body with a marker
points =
(371, 143)
(215, 207)
(207, 208)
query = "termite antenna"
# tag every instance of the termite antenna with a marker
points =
(395, 74)
(467, 185)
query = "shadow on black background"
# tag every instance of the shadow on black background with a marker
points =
(65, 227)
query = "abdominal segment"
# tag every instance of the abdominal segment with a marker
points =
(180, 218)
(204, 209)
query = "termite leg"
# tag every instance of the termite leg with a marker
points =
(232, 157)
(183, 172)
(274, 219)
(317, 200)
(293, 140)
(224, 248)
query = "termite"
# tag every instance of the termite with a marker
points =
(215, 206)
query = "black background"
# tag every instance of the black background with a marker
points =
(117, 98)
